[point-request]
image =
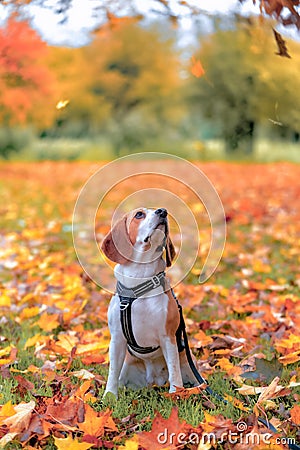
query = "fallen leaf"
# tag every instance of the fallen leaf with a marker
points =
(95, 423)
(130, 444)
(20, 420)
(71, 444)
(159, 436)
(185, 393)
(295, 414)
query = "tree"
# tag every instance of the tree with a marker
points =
(25, 81)
(127, 80)
(245, 82)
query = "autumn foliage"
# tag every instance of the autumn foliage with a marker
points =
(26, 84)
(243, 324)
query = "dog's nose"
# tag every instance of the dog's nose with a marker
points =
(161, 212)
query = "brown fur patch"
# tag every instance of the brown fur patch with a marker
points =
(173, 318)
(133, 225)
(116, 245)
(133, 230)
(170, 251)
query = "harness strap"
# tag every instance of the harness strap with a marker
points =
(126, 323)
(142, 288)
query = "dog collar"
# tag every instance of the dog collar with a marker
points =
(143, 288)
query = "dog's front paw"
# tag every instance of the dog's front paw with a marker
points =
(110, 395)
(174, 388)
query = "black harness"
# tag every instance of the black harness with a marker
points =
(127, 297)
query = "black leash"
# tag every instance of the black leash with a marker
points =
(181, 334)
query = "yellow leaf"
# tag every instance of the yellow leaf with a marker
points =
(202, 338)
(5, 351)
(67, 341)
(236, 402)
(5, 300)
(203, 445)
(130, 444)
(32, 341)
(290, 358)
(71, 444)
(6, 411)
(259, 266)
(93, 347)
(29, 312)
(48, 322)
(208, 419)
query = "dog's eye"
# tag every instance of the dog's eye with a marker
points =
(140, 215)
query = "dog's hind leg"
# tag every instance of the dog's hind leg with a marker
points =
(133, 373)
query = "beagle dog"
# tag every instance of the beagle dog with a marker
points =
(143, 315)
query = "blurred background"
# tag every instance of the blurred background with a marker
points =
(96, 80)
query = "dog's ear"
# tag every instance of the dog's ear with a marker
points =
(116, 245)
(170, 251)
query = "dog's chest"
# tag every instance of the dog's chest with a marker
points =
(149, 319)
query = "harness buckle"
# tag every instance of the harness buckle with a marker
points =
(123, 305)
(156, 281)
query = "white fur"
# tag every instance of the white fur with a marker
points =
(149, 317)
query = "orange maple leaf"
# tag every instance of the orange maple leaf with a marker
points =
(95, 423)
(295, 414)
(185, 393)
(48, 322)
(197, 68)
(164, 432)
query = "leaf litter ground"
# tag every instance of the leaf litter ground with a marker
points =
(243, 323)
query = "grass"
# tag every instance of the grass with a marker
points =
(50, 268)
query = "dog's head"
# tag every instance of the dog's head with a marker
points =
(145, 231)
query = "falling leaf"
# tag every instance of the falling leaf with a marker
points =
(197, 68)
(62, 104)
(281, 44)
